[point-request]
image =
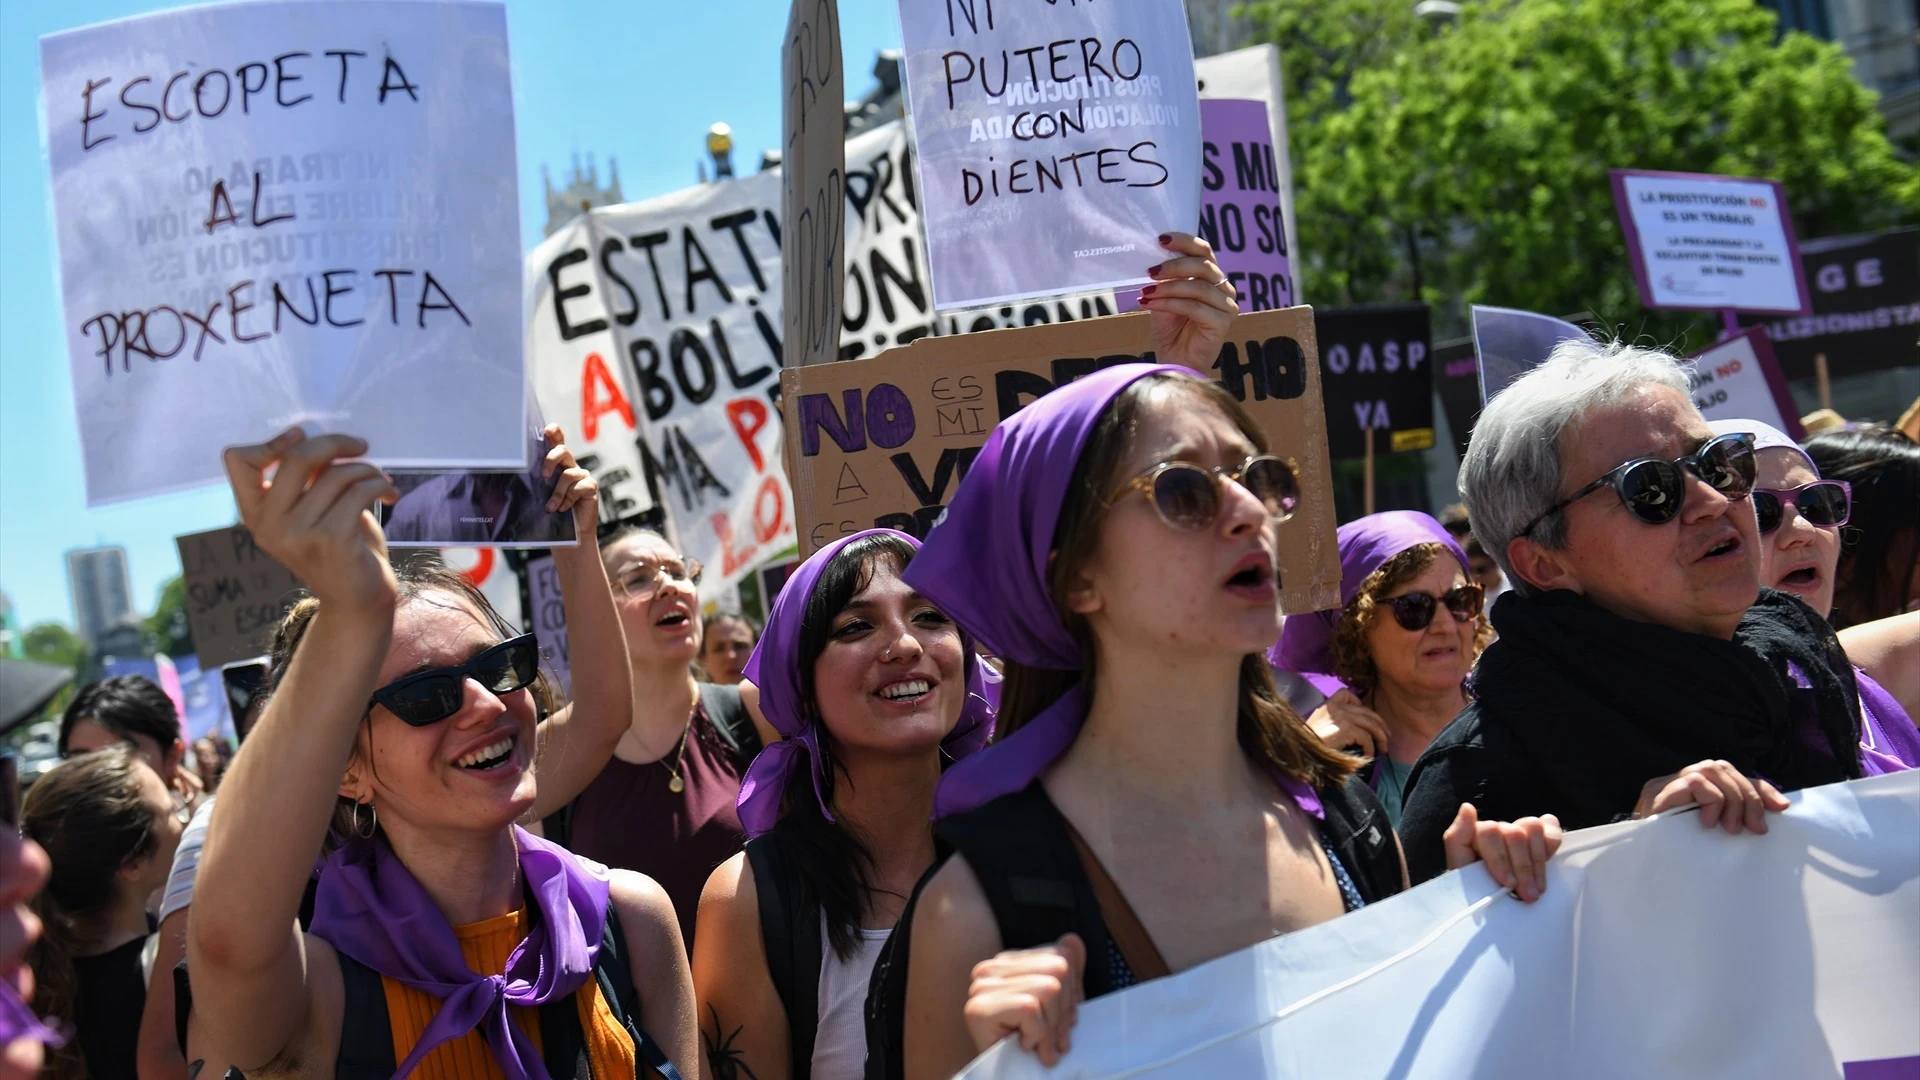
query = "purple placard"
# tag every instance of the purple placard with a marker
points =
(1240, 212)
(1637, 251)
(1906, 1068)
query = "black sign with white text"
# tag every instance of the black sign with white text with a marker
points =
(1376, 374)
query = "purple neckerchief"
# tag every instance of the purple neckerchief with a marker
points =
(370, 907)
(774, 669)
(1888, 740)
(1306, 640)
(985, 565)
(18, 1022)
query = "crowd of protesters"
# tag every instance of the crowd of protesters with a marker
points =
(835, 846)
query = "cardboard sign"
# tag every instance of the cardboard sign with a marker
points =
(286, 212)
(236, 594)
(813, 172)
(1866, 306)
(1056, 142)
(884, 442)
(1739, 379)
(1376, 376)
(1699, 241)
(547, 618)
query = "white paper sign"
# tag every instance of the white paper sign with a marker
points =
(1738, 379)
(548, 621)
(1699, 241)
(1661, 949)
(1056, 140)
(287, 212)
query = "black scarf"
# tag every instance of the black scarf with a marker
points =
(1604, 704)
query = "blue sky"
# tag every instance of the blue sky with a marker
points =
(637, 80)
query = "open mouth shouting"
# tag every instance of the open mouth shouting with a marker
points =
(1804, 578)
(1252, 578)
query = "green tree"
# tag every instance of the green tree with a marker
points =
(1468, 163)
(166, 629)
(54, 643)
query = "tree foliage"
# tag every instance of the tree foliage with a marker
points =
(166, 630)
(54, 643)
(1468, 163)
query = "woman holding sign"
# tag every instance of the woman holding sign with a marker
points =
(403, 725)
(873, 689)
(1116, 543)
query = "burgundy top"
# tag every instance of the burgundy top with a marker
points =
(628, 819)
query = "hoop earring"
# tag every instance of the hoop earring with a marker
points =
(373, 822)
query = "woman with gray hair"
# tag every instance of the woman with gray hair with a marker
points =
(1639, 665)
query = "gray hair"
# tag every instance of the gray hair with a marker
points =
(1512, 470)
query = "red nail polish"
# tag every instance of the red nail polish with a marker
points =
(1154, 269)
(1166, 238)
(1148, 291)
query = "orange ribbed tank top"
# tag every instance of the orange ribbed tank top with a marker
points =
(486, 946)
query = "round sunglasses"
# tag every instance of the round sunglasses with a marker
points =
(1654, 489)
(1825, 503)
(1187, 496)
(1415, 611)
(428, 697)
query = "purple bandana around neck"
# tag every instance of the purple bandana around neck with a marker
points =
(774, 668)
(985, 564)
(1306, 640)
(17, 1020)
(370, 908)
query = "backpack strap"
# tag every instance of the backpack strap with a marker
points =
(615, 972)
(1358, 831)
(887, 988)
(366, 1033)
(728, 713)
(1020, 850)
(790, 932)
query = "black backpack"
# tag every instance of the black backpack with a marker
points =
(1020, 851)
(790, 932)
(731, 721)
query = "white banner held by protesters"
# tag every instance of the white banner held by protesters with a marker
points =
(1660, 949)
(1056, 142)
(287, 212)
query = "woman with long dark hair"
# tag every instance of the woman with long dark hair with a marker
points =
(1115, 542)
(109, 823)
(446, 941)
(1879, 571)
(872, 688)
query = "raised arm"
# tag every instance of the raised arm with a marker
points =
(576, 741)
(248, 958)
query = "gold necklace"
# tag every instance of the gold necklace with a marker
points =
(675, 784)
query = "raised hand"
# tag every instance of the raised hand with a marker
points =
(315, 515)
(1192, 303)
(573, 487)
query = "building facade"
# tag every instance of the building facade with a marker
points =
(102, 594)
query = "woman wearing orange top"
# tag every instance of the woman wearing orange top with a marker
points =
(447, 943)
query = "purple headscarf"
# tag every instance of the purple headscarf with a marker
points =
(371, 908)
(1306, 641)
(985, 564)
(774, 668)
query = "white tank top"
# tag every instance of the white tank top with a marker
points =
(840, 1042)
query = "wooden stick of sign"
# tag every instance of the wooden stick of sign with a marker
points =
(1366, 490)
(1820, 377)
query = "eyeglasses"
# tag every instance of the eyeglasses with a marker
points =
(641, 579)
(1187, 496)
(1826, 503)
(1654, 489)
(1414, 611)
(428, 697)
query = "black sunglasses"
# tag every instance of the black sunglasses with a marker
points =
(1187, 496)
(1654, 489)
(1826, 503)
(428, 697)
(1415, 611)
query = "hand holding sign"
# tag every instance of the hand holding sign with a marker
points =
(1192, 302)
(314, 516)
